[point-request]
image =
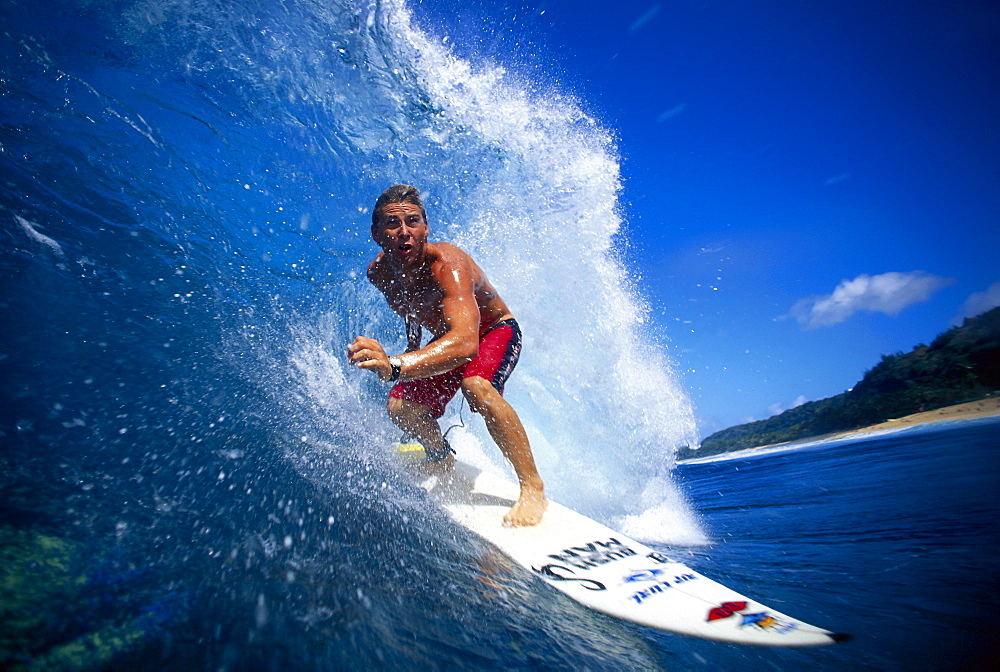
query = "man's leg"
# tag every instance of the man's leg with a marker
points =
(508, 433)
(417, 421)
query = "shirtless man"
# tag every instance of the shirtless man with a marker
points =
(475, 346)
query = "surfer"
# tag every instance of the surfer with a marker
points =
(474, 347)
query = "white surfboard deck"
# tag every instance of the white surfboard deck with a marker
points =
(609, 572)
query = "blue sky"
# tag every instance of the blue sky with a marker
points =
(808, 186)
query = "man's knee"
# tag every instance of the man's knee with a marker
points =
(401, 410)
(478, 392)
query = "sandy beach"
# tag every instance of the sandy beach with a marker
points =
(983, 408)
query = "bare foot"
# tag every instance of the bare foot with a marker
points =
(528, 510)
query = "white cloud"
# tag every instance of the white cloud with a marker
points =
(645, 18)
(980, 302)
(778, 409)
(672, 112)
(887, 293)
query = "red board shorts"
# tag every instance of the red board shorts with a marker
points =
(499, 350)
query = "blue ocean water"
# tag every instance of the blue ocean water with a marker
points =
(192, 478)
(891, 538)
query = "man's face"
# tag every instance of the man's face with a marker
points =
(401, 232)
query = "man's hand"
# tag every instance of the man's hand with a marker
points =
(367, 353)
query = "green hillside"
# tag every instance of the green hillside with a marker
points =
(961, 364)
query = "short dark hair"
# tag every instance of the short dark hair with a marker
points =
(400, 193)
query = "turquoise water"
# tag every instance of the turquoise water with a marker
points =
(192, 476)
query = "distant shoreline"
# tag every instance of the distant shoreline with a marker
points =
(970, 410)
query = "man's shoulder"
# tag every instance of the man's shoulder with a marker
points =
(377, 268)
(448, 254)
(444, 247)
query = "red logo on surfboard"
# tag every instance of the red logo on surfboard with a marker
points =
(760, 620)
(725, 610)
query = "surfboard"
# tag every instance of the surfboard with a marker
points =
(606, 570)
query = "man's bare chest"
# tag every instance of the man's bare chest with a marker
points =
(422, 303)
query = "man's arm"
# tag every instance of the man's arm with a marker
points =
(460, 344)
(454, 275)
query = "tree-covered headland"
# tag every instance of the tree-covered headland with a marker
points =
(960, 365)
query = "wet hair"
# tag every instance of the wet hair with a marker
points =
(400, 193)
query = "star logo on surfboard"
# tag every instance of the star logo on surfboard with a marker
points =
(761, 620)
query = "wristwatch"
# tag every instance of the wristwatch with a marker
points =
(397, 366)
